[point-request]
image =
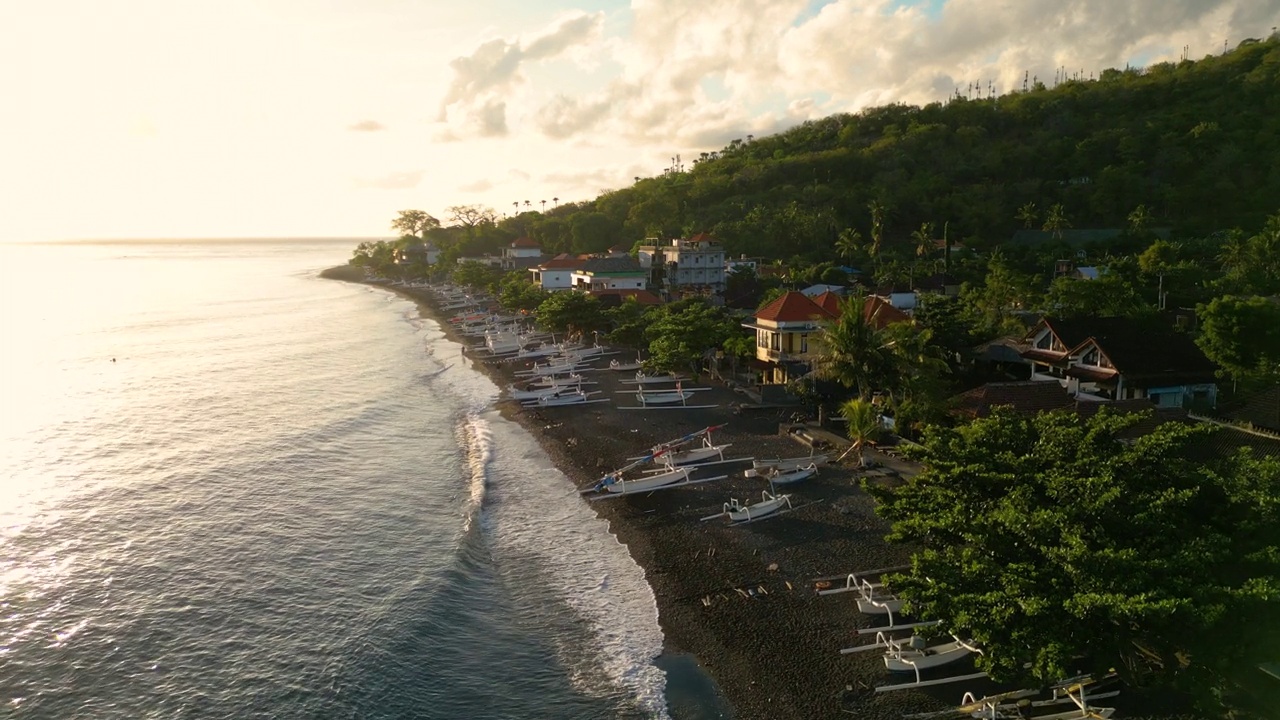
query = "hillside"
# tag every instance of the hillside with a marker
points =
(1195, 142)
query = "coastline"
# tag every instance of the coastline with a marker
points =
(773, 653)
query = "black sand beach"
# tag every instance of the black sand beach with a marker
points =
(742, 599)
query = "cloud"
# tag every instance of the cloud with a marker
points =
(391, 181)
(476, 187)
(367, 126)
(475, 100)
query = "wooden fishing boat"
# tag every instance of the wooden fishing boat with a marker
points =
(790, 478)
(912, 654)
(787, 464)
(622, 367)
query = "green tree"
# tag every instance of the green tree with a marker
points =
(414, 222)
(1058, 547)
(1028, 214)
(571, 312)
(878, 212)
(853, 352)
(737, 348)
(1242, 335)
(742, 289)
(684, 332)
(1139, 220)
(628, 322)
(849, 244)
(1108, 295)
(517, 292)
(476, 275)
(1056, 221)
(863, 425)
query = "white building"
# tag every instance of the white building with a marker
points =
(556, 273)
(610, 274)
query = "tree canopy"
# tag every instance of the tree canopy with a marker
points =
(1055, 544)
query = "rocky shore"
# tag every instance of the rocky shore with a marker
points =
(741, 599)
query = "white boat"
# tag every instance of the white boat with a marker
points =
(642, 379)
(795, 476)
(575, 397)
(768, 506)
(789, 464)
(911, 654)
(663, 398)
(695, 456)
(621, 486)
(536, 393)
(621, 366)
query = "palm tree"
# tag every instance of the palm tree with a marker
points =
(1028, 214)
(848, 244)
(924, 239)
(544, 205)
(852, 352)
(1055, 221)
(877, 226)
(863, 425)
(516, 205)
(1139, 219)
(556, 200)
(527, 203)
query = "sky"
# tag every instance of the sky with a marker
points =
(322, 118)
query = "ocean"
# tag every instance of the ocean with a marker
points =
(231, 489)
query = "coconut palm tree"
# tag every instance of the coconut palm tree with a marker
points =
(877, 226)
(1028, 214)
(556, 200)
(924, 239)
(863, 425)
(848, 244)
(544, 205)
(1056, 221)
(1139, 219)
(852, 352)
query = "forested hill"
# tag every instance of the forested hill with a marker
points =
(1196, 143)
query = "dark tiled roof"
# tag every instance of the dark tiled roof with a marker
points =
(644, 297)
(1228, 440)
(519, 263)
(1147, 355)
(793, 307)
(612, 265)
(1025, 398)
(524, 242)
(1261, 410)
(1158, 417)
(561, 263)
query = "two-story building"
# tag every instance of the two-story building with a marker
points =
(418, 254)
(688, 266)
(786, 337)
(609, 273)
(523, 253)
(1120, 359)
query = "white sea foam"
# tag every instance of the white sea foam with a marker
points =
(535, 514)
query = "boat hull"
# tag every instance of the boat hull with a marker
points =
(624, 487)
(936, 656)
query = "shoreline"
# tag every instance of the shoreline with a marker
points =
(773, 653)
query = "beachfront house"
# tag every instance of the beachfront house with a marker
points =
(789, 328)
(556, 273)
(1119, 359)
(693, 266)
(523, 253)
(417, 254)
(786, 337)
(609, 273)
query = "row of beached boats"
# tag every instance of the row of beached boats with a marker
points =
(914, 648)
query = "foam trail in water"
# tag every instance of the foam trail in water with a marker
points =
(476, 439)
(533, 512)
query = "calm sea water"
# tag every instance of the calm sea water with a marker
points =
(229, 489)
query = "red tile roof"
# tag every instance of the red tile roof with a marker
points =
(524, 242)
(703, 237)
(830, 302)
(880, 314)
(793, 307)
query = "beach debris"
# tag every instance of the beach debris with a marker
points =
(742, 592)
(773, 567)
(822, 584)
(760, 589)
(789, 585)
(695, 555)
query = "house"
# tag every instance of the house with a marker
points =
(523, 253)
(418, 254)
(556, 273)
(696, 264)
(609, 273)
(1260, 411)
(618, 251)
(784, 329)
(1118, 359)
(743, 262)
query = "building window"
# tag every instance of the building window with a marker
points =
(804, 344)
